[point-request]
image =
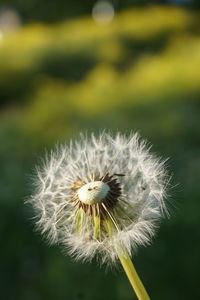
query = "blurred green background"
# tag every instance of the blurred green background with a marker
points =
(70, 67)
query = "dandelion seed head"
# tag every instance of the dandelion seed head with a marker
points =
(100, 194)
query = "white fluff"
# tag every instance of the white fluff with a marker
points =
(142, 198)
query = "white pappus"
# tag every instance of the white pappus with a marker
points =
(100, 195)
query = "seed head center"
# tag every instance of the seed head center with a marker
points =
(93, 192)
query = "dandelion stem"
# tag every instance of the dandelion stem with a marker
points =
(133, 277)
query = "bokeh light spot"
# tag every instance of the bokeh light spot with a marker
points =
(1, 35)
(103, 12)
(9, 20)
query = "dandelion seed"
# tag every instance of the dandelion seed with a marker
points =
(101, 196)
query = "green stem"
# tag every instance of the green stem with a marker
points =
(133, 277)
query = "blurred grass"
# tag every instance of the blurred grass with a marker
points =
(141, 72)
(64, 51)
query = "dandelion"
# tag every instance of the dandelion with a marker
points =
(101, 197)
